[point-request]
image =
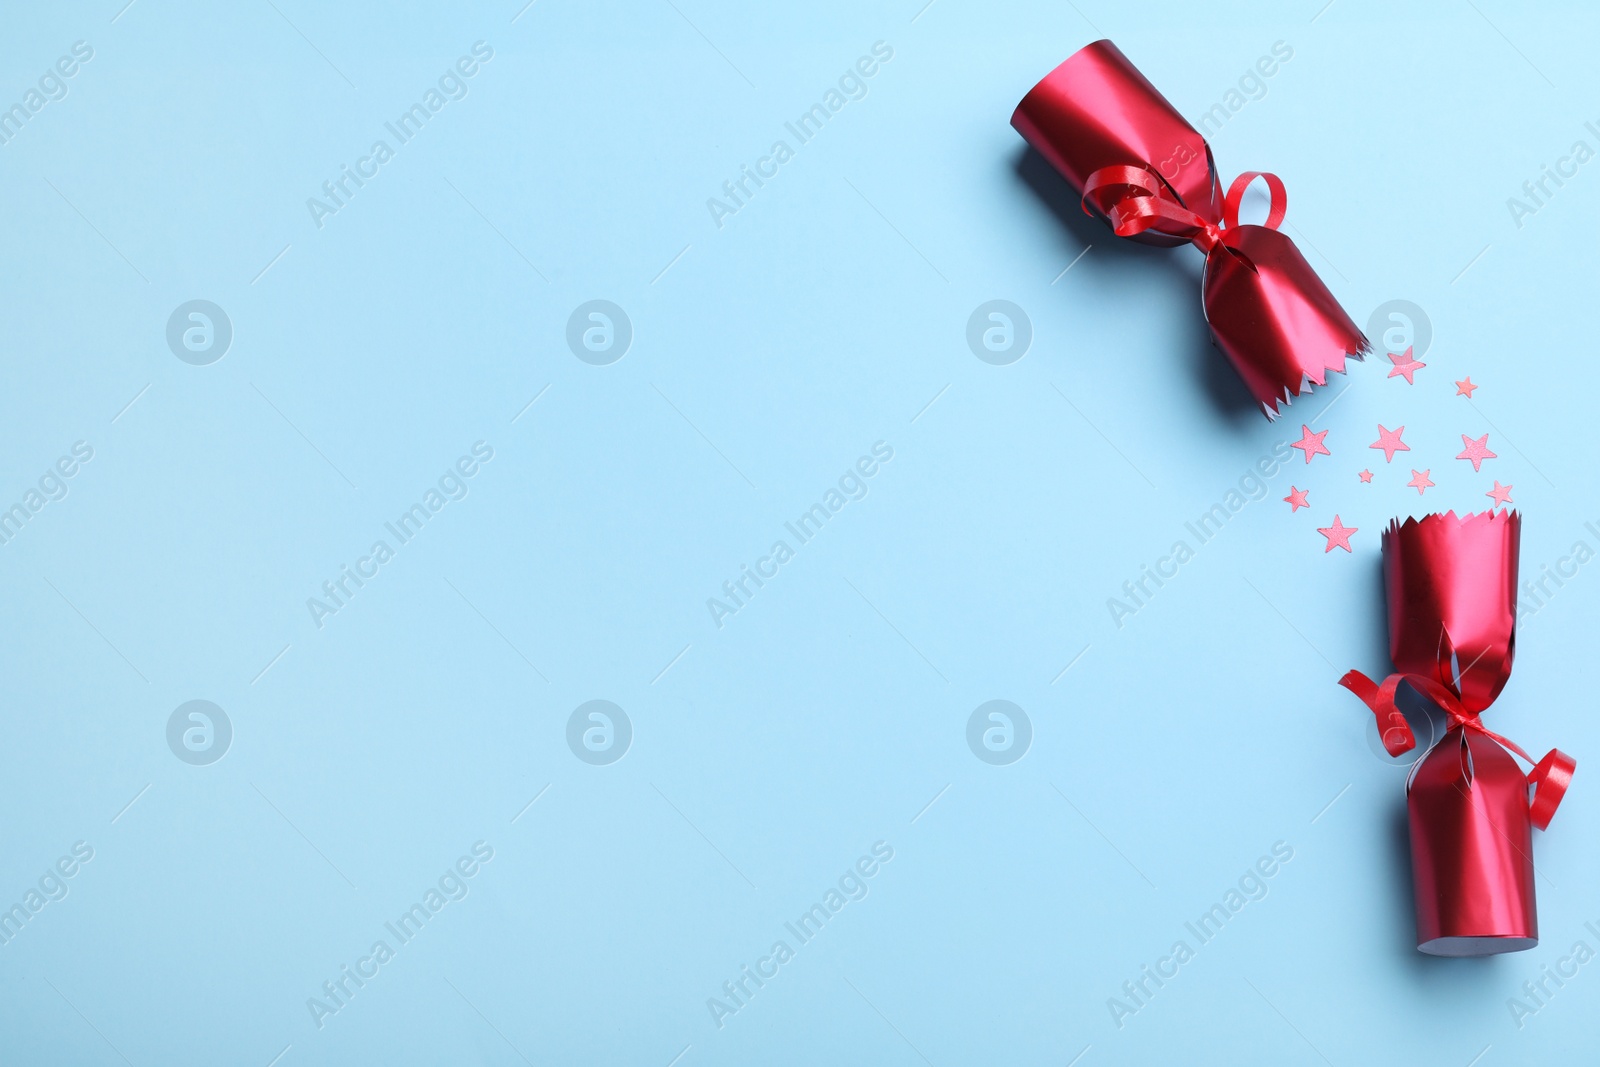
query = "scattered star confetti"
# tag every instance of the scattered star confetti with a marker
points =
(1337, 534)
(1389, 441)
(1365, 476)
(1477, 451)
(1404, 366)
(1297, 499)
(1501, 494)
(1311, 443)
(1420, 480)
(1465, 387)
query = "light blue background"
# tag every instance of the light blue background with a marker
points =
(826, 715)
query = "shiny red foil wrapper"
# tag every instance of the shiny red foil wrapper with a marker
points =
(1471, 849)
(1096, 110)
(1269, 312)
(1451, 585)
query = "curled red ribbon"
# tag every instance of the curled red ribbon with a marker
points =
(1549, 778)
(1142, 207)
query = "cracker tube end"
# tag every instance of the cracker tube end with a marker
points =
(1096, 110)
(1273, 318)
(1471, 849)
(1451, 586)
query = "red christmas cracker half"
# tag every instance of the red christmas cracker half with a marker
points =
(1137, 164)
(1451, 584)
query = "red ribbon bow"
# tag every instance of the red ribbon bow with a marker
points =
(1139, 206)
(1549, 778)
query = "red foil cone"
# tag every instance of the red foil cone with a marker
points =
(1471, 849)
(1096, 110)
(1137, 164)
(1279, 326)
(1451, 585)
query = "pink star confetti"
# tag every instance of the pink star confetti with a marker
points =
(1501, 494)
(1297, 499)
(1389, 441)
(1365, 476)
(1311, 443)
(1420, 480)
(1477, 451)
(1465, 387)
(1337, 534)
(1404, 366)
